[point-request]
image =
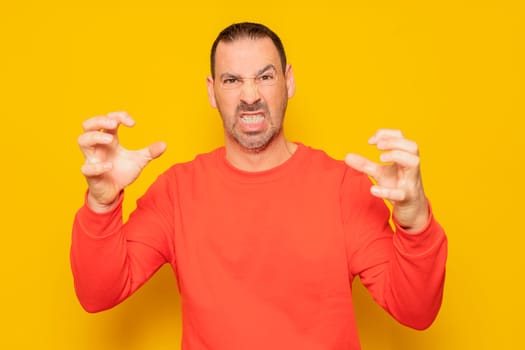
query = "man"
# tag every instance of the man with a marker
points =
(265, 235)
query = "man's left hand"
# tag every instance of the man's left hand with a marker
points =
(398, 179)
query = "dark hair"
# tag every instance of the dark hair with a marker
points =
(247, 30)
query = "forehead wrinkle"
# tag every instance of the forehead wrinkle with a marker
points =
(259, 72)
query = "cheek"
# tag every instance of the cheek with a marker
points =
(278, 102)
(227, 111)
(227, 102)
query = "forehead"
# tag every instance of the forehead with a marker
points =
(245, 56)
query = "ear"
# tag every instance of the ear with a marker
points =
(211, 92)
(290, 81)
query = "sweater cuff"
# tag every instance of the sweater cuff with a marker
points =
(100, 225)
(422, 241)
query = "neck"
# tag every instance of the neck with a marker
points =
(274, 154)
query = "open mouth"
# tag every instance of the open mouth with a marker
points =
(252, 118)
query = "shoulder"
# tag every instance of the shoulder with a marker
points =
(202, 160)
(183, 175)
(320, 159)
(354, 184)
(316, 156)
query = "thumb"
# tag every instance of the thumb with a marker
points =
(361, 164)
(154, 150)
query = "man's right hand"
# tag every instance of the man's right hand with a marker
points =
(108, 166)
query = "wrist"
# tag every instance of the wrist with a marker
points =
(99, 207)
(418, 221)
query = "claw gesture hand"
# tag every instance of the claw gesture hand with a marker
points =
(108, 166)
(398, 179)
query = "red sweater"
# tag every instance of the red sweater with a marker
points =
(263, 260)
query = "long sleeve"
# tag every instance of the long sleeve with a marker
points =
(404, 272)
(109, 259)
(263, 260)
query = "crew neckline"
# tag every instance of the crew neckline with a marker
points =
(231, 172)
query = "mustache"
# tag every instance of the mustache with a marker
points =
(245, 107)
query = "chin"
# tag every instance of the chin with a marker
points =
(257, 141)
(256, 146)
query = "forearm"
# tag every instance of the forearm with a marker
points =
(111, 259)
(417, 274)
(99, 259)
(404, 271)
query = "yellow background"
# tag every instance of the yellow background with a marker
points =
(449, 73)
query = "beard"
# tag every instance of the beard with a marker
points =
(256, 141)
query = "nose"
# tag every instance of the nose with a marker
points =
(250, 92)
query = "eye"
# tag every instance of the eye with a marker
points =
(230, 81)
(266, 78)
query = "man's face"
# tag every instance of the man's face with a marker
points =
(251, 91)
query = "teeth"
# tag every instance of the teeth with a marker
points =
(249, 119)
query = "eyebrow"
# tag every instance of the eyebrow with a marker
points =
(259, 72)
(268, 67)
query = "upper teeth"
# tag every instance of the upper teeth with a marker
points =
(252, 118)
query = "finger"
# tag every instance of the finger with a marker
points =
(405, 159)
(154, 150)
(122, 117)
(157, 149)
(362, 164)
(110, 121)
(90, 143)
(383, 134)
(98, 123)
(401, 144)
(93, 138)
(391, 194)
(90, 169)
